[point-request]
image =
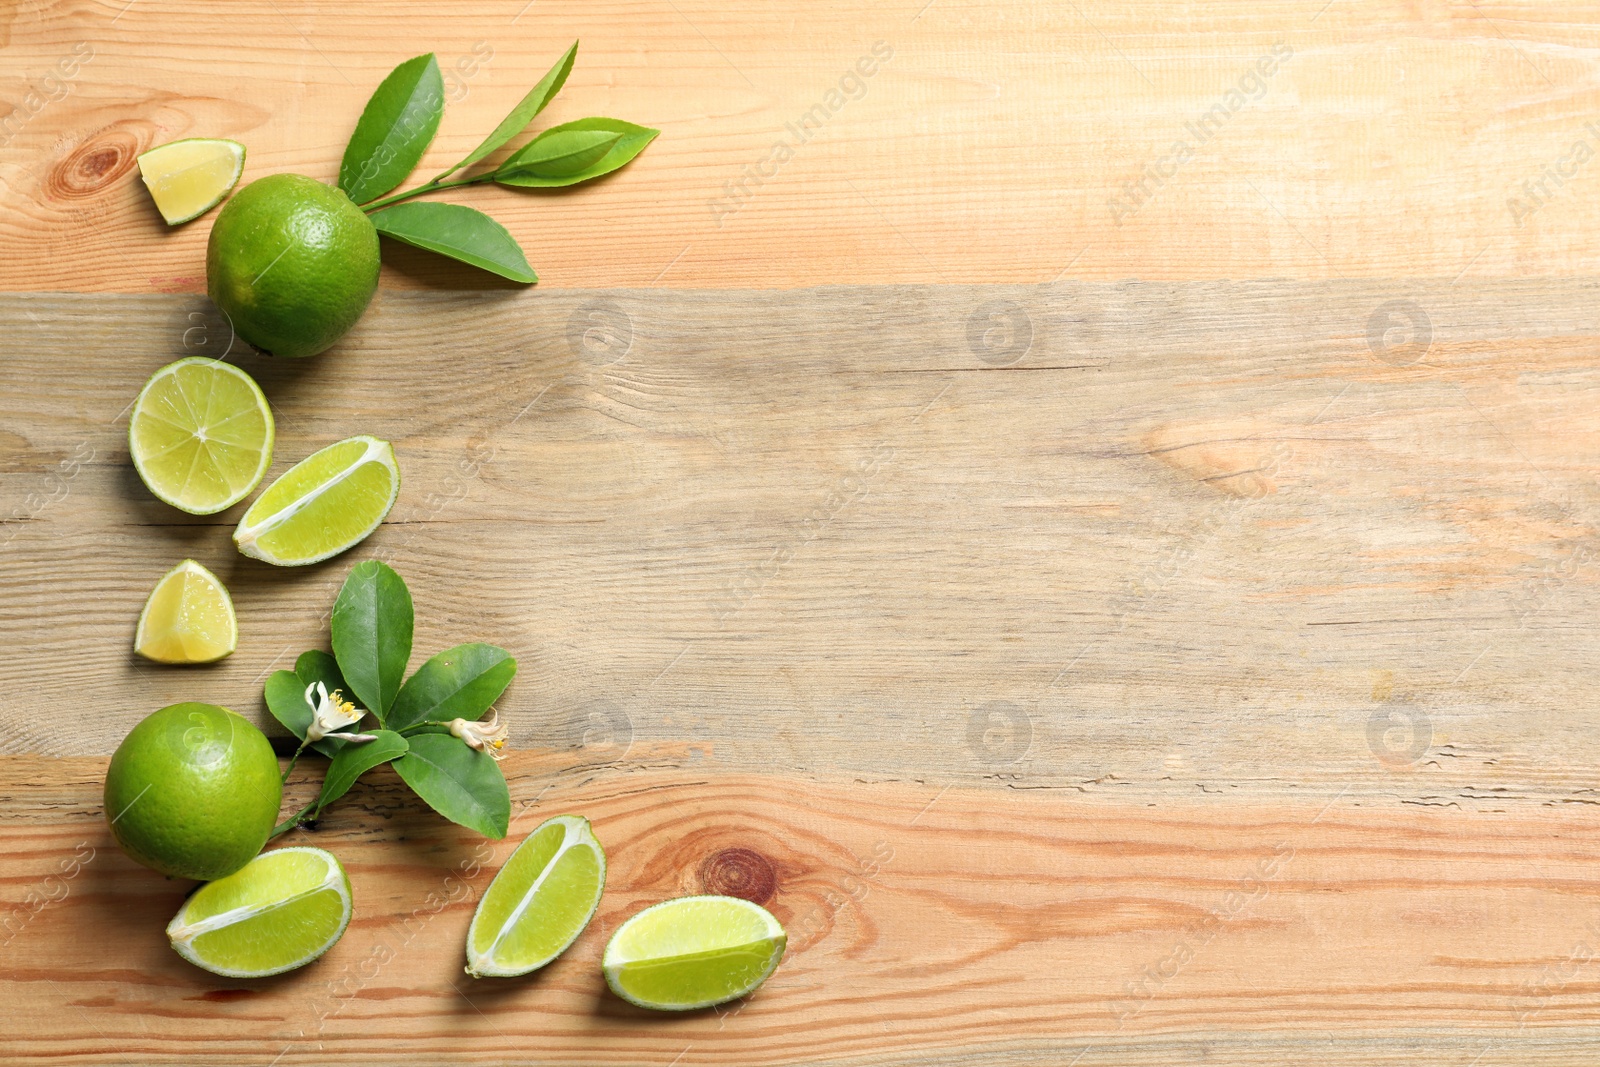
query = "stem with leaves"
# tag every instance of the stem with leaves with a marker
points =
(397, 126)
(372, 623)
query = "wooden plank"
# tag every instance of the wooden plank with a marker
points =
(1196, 575)
(1195, 534)
(999, 142)
(1081, 606)
(928, 925)
(1104, 671)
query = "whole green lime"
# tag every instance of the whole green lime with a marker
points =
(292, 263)
(193, 791)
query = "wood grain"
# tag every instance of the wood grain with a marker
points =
(996, 144)
(1194, 534)
(927, 925)
(1092, 603)
(1090, 659)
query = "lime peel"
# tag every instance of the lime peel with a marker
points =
(292, 263)
(193, 791)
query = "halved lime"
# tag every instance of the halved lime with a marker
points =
(190, 177)
(188, 618)
(539, 902)
(200, 435)
(693, 952)
(324, 504)
(280, 911)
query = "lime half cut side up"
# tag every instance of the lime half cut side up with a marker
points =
(190, 177)
(188, 618)
(201, 435)
(324, 504)
(539, 902)
(693, 952)
(280, 911)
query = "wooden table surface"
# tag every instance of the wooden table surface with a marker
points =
(1099, 535)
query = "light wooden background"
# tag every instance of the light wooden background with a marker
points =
(1150, 639)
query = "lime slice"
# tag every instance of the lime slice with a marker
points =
(188, 618)
(322, 505)
(280, 911)
(190, 177)
(200, 435)
(693, 952)
(539, 902)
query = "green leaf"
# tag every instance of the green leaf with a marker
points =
(316, 665)
(524, 112)
(458, 683)
(460, 783)
(372, 623)
(354, 760)
(286, 699)
(285, 693)
(546, 161)
(395, 129)
(561, 153)
(459, 232)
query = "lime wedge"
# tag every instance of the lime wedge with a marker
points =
(322, 505)
(200, 435)
(280, 911)
(187, 619)
(539, 902)
(693, 952)
(190, 177)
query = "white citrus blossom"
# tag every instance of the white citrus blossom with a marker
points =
(331, 713)
(486, 736)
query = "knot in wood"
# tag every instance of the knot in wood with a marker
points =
(739, 872)
(96, 165)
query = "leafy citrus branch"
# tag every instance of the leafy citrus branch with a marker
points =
(397, 126)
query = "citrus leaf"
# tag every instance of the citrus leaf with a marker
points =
(395, 129)
(560, 153)
(460, 783)
(544, 162)
(459, 232)
(524, 112)
(354, 760)
(460, 682)
(371, 624)
(285, 694)
(316, 665)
